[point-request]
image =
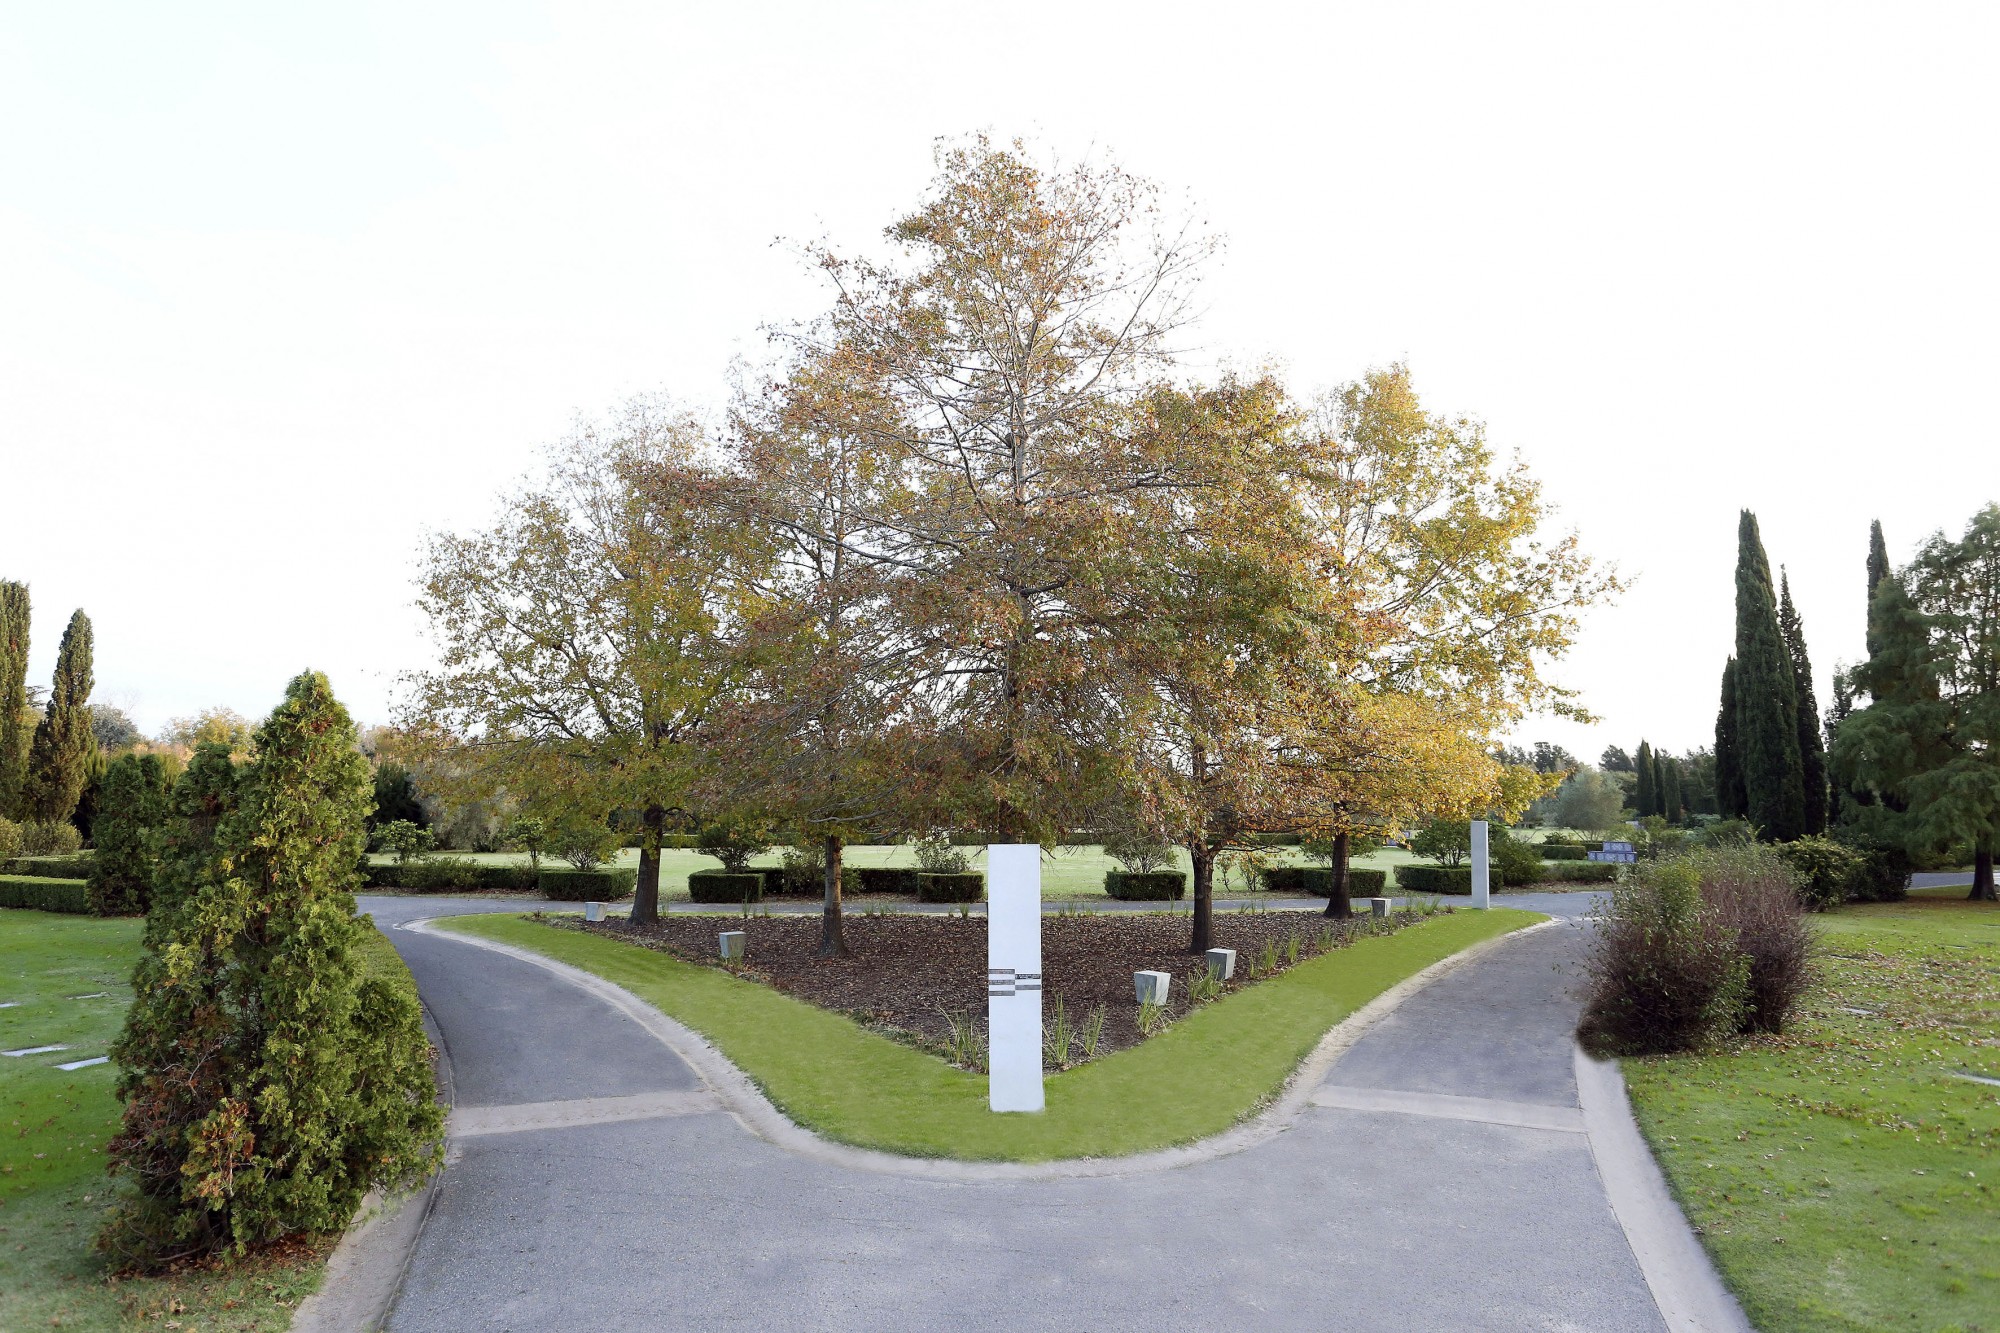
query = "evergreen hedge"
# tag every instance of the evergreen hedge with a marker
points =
(1317, 881)
(50, 867)
(442, 874)
(1435, 879)
(723, 886)
(45, 895)
(967, 888)
(1145, 886)
(1557, 851)
(899, 880)
(1578, 872)
(604, 885)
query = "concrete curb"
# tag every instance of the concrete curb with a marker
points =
(754, 1111)
(1684, 1283)
(365, 1273)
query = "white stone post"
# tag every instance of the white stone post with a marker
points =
(1014, 976)
(1482, 894)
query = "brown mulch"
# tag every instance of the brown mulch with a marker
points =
(907, 973)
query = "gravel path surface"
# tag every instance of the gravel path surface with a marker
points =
(1439, 1182)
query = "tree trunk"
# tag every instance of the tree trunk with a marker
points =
(1338, 904)
(1202, 938)
(646, 898)
(1982, 876)
(832, 936)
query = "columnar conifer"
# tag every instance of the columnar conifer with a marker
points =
(131, 806)
(1812, 746)
(1878, 569)
(14, 726)
(268, 1081)
(1767, 702)
(1730, 800)
(60, 752)
(1646, 797)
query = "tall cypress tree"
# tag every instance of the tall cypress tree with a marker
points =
(13, 696)
(1878, 569)
(1767, 703)
(1730, 800)
(1812, 748)
(59, 755)
(132, 804)
(1646, 798)
(1659, 784)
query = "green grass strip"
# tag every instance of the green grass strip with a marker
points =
(826, 1072)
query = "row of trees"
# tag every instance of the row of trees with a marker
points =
(974, 555)
(1916, 727)
(46, 753)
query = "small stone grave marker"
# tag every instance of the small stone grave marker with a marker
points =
(734, 943)
(34, 1050)
(85, 1064)
(1221, 964)
(1152, 986)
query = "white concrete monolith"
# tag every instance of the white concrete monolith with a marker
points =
(1014, 976)
(1482, 893)
(734, 944)
(593, 911)
(1221, 963)
(1379, 906)
(1152, 987)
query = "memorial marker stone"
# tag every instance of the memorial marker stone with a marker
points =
(1014, 976)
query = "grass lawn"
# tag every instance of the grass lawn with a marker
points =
(1203, 1074)
(1070, 872)
(1842, 1176)
(53, 1188)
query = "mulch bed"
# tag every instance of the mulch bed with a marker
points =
(908, 975)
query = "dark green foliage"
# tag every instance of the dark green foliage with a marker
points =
(590, 886)
(1878, 570)
(1360, 883)
(59, 754)
(1515, 862)
(1731, 801)
(1146, 885)
(73, 866)
(951, 888)
(133, 805)
(724, 886)
(885, 879)
(1812, 746)
(1883, 875)
(734, 842)
(1665, 974)
(1767, 703)
(1317, 881)
(396, 797)
(14, 730)
(1672, 804)
(1555, 851)
(113, 728)
(1435, 879)
(1577, 872)
(1446, 841)
(45, 895)
(50, 838)
(1826, 871)
(1646, 797)
(269, 1077)
(441, 874)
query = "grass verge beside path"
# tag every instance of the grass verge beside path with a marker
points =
(829, 1074)
(1842, 1175)
(53, 1186)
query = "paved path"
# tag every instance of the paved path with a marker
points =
(1439, 1182)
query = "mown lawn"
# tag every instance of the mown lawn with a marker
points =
(53, 1186)
(1202, 1075)
(1846, 1176)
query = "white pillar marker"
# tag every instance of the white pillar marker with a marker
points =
(1014, 976)
(1482, 891)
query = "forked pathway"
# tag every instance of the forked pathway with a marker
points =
(1440, 1179)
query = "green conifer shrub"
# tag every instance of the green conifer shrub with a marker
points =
(14, 726)
(1767, 704)
(1646, 795)
(59, 754)
(269, 1081)
(132, 804)
(1731, 801)
(1812, 745)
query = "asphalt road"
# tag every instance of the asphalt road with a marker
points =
(1396, 1204)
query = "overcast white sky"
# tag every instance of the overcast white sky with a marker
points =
(281, 286)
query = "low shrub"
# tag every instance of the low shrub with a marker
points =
(1560, 839)
(1515, 862)
(724, 886)
(58, 838)
(579, 886)
(440, 874)
(1288, 879)
(1664, 971)
(10, 840)
(1363, 883)
(1564, 851)
(899, 880)
(1883, 875)
(1317, 881)
(1593, 845)
(1145, 885)
(1754, 891)
(1435, 879)
(1577, 872)
(45, 895)
(50, 867)
(942, 888)
(1825, 870)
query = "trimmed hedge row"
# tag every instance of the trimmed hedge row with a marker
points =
(599, 886)
(900, 880)
(1145, 886)
(440, 873)
(967, 888)
(1435, 879)
(722, 886)
(74, 866)
(1314, 882)
(1578, 872)
(1557, 851)
(44, 894)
